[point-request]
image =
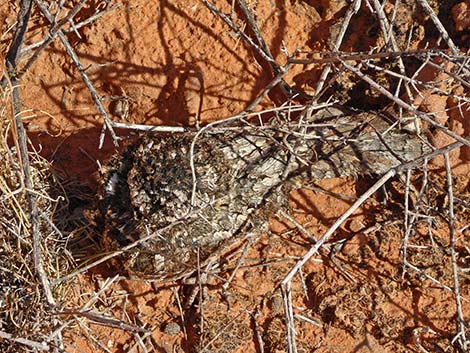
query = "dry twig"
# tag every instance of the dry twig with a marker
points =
(403, 104)
(42, 346)
(99, 104)
(12, 61)
(460, 319)
(425, 5)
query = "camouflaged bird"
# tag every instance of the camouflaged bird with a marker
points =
(192, 204)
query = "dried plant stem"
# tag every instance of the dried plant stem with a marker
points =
(407, 222)
(240, 262)
(464, 344)
(150, 128)
(281, 214)
(352, 10)
(258, 331)
(413, 81)
(403, 104)
(261, 49)
(286, 282)
(86, 80)
(235, 28)
(312, 237)
(432, 279)
(338, 57)
(456, 77)
(75, 27)
(111, 255)
(95, 297)
(100, 319)
(276, 68)
(257, 33)
(33, 214)
(289, 314)
(424, 4)
(338, 223)
(388, 34)
(181, 312)
(51, 36)
(42, 346)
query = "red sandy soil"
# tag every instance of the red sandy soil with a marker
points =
(167, 56)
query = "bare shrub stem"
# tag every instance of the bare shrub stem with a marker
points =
(464, 344)
(99, 104)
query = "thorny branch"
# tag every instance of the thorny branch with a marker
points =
(261, 48)
(112, 255)
(99, 104)
(56, 30)
(101, 319)
(403, 104)
(424, 4)
(286, 283)
(338, 57)
(73, 28)
(391, 43)
(12, 58)
(51, 36)
(462, 339)
(353, 9)
(22, 144)
(42, 346)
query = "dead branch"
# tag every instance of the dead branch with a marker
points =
(52, 33)
(390, 41)
(99, 104)
(261, 49)
(339, 56)
(12, 61)
(237, 30)
(76, 26)
(415, 82)
(111, 255)
(457, 77)
(42, 346)
(354, 7)
(254, 28)
(150, 128)
(407, 222)
(51, 36)
(403, 104)
(286, 282)
(103, 320)
(276, 68)
(460, 319)
(424, 4)
(338, 223)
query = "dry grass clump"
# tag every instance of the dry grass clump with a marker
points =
(26, 316)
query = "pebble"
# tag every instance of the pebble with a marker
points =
(172, 328)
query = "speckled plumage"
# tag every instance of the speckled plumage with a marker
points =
(241, 173)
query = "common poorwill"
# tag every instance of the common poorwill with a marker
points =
(192, 205)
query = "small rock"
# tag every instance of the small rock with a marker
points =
(172, 328)
(277, 304)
